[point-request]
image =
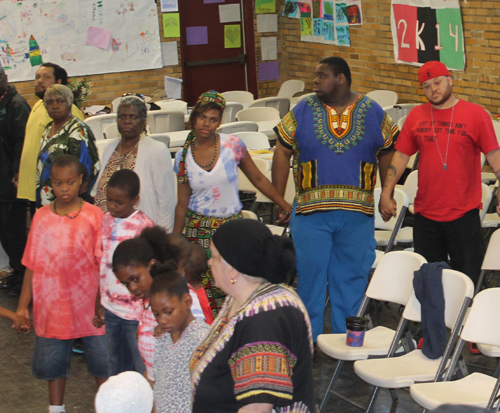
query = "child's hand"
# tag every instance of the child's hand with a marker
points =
(98, 319)
(20, 323)
(158, 332)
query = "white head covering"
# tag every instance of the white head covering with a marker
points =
(128, 392)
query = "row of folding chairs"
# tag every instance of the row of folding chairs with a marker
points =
(429, 380)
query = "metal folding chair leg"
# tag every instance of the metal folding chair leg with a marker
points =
(335, 376)
(372, 400)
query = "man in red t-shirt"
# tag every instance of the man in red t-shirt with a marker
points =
(450, 134)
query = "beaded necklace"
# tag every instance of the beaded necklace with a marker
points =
(216, 151)
(68, 215)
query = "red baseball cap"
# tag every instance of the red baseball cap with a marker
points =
(431, 70)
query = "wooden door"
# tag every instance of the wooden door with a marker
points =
(212, 66)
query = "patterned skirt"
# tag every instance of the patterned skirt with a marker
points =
(200, 229)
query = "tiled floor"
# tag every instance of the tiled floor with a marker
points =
(20, 392)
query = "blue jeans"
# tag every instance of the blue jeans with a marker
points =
(52, 357)
(338, 248)
(121, 339)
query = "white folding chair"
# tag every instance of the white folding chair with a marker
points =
(233, 127)
(491, 261)
(411, 187)
(305, 96)
(486, 197)
(477, 389)
(290, 87)
(111, 131)
(99, 122)
(408, 369)
(401, 122)
(229, 114)
(282, 104)
(161, 137)
(258, 114)
(244, 184)
(399, 111)
(101, 145)
(386, 232)
(254, 140)
(383, 97)
(391, 282)
(161, 121)
(240, 96)
(173, 105)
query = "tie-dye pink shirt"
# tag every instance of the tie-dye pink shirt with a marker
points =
(115, 297)
(64, 255)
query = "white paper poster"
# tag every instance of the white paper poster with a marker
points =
(169, 6)
(269, 48)
(229, 13)
(267, 23)
(169, 55)
(83, 36)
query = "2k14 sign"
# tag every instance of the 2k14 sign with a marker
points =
(424, 30)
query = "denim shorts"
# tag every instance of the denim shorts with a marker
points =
(52, 357)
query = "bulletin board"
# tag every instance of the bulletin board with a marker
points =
(84, 36)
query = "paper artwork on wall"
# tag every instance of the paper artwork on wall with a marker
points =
(425, 30)
(196, 35)
(169, 6)
(86, 37)
(98, 37)
(173, 87)
(213, 1)
(232, 36)
(171, 25)
(265, 6)
(229, 13)
(325, 21)
(269, 48)
(267, 23)
(169, 55)
(269, 71)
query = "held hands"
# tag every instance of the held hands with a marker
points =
(387, 207)
(283, 217)
(20, 323)
(98, 319)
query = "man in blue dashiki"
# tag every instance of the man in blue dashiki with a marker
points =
(338, 139)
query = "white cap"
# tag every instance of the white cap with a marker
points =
(127, 392)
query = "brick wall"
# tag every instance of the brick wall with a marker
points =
(370, 56)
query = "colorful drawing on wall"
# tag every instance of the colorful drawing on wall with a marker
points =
(317, 27)
(34, 53)
(196, 35)
(354, 14)
(316, 9)
(171, 25)
(169, 6)
(328, 10)
(340, 13)
(329, 31)
(232, 36)
(291, 9)
(332, 25)
(85, 37)
(424, 30)
(265, 6)
(343, 35)
(306, 26)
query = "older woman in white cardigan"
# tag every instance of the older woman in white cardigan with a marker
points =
(150, 159)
